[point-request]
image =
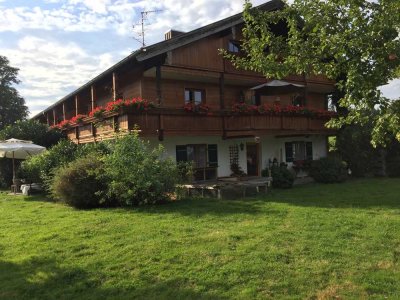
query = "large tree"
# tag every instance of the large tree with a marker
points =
(354, 42)
(12, 105)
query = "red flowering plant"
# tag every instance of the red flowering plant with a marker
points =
(63, 124)
(242, 107)
(267, 109)
(138, 104)
(78, 119)
(114, 106)
(291, 110)
(98, 112)
(201, 108)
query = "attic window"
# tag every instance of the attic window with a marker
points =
(234, 47)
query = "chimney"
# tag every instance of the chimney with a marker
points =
(172, 33)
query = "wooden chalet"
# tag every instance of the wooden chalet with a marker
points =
(205, 109)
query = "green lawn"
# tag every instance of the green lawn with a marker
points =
(314, 241)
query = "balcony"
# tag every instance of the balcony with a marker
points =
(161, 122)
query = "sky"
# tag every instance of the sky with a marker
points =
(58, 45)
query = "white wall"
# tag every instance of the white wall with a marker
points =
(270, 148)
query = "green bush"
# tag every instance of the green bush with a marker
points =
(42, 167)
(329, 170)
(81, 184)
(137, 173)
(185, 171)
(281, 177)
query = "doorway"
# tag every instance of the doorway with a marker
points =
(253, 158)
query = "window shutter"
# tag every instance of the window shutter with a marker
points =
(181, 153)
(212, 155)
(289, 152)
(309, 151)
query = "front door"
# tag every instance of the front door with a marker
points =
(252, 159)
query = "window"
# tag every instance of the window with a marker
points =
(205, 158)
(194, 96)
(201, 154)
(298, 100)
(298, 151)
(234, 47)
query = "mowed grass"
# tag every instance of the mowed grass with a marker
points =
(311, 242)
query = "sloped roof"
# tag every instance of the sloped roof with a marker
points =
(162, 47)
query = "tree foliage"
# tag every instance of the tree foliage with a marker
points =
(34, 131)
(12, 105)
(354, 42)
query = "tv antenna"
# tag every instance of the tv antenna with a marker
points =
(144, 14)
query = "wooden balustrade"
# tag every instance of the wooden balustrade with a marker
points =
(175, 122)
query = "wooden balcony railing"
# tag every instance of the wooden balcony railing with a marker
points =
(176, 122)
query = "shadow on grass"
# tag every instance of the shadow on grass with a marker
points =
(189, 206)
(45, 279)
(362, 193)
(208, 206)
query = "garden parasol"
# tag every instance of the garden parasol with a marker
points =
(18, 149)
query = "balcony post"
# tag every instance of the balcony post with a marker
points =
(76, 105)
(63, 108)
(158, 84)
(48, 119)
(305, 91)
(222, 90)
(93, 96)
(114, 85)
(54, 116)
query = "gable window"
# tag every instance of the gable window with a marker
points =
(195, 96)
(298, 151)
(234, 47)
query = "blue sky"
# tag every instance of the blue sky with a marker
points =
(59, 45)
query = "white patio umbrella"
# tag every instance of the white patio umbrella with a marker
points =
(18, 149)
(278, 87)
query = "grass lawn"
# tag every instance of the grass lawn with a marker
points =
(314, 241)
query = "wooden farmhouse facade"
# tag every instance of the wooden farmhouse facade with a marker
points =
(182, 93)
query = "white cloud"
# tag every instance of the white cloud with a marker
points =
(98, 6)
(50, 70)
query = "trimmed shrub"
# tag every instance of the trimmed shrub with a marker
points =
(281, 177)
(137, 173)
(329, 170)
(81, 184)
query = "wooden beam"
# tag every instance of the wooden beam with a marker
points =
(158, 84)
(63, 108)
(54, 116)
(76, 105)
(93, 96)
(222, 90)
(115, 85)
(48, 119)
(305, 91)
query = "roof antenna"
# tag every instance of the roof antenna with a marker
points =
(140, 39)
